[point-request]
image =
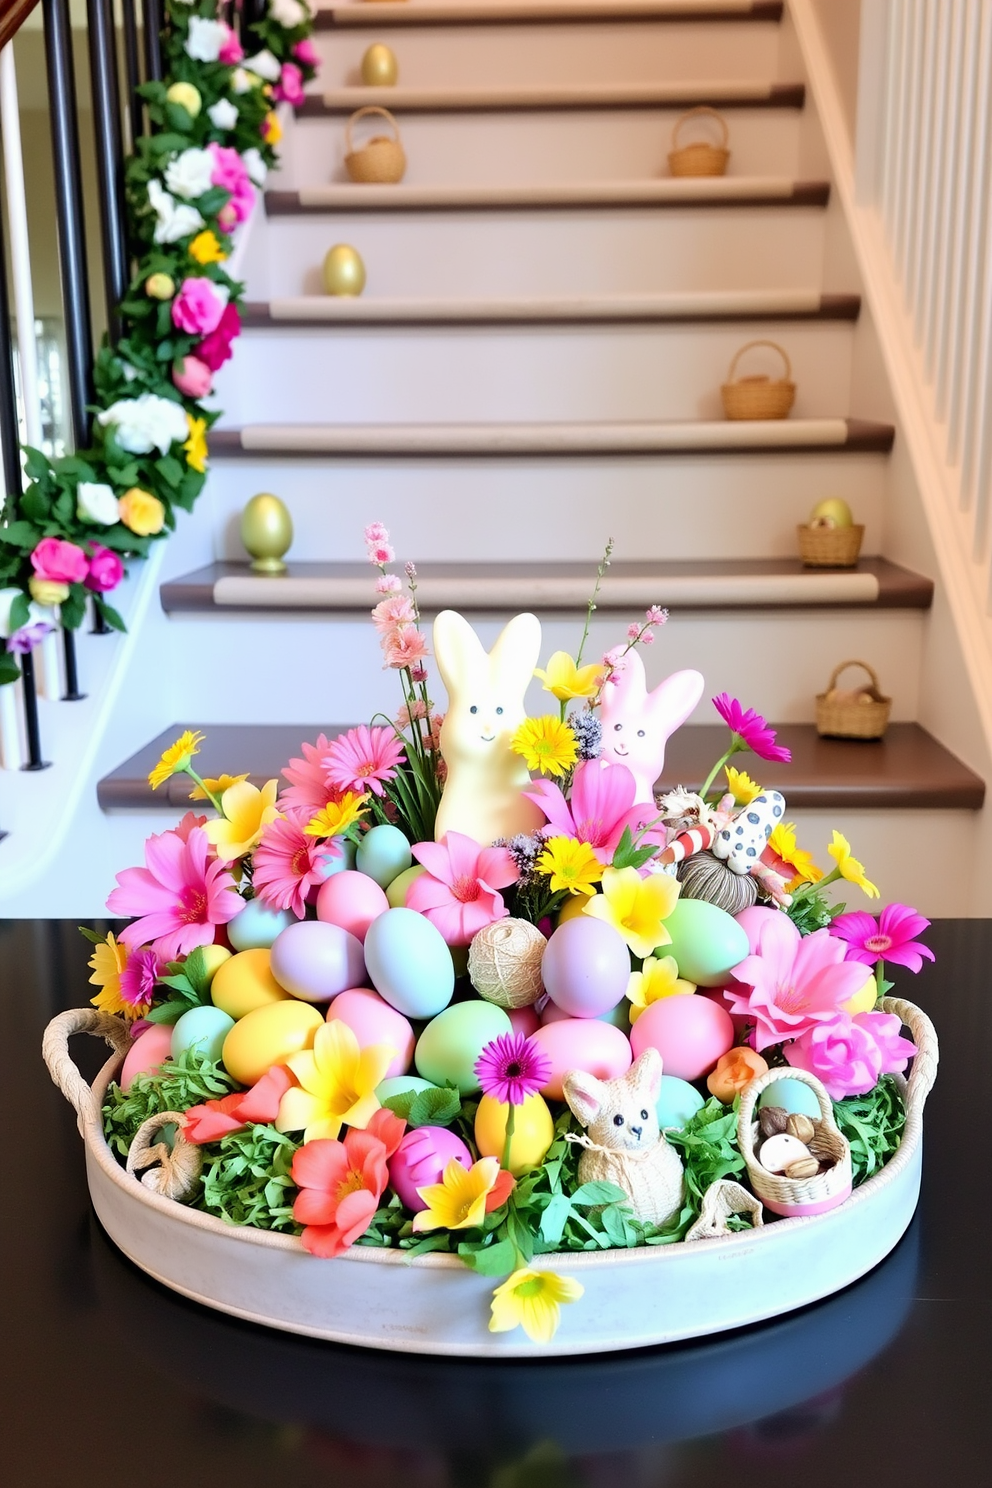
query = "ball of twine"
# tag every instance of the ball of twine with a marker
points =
(504, 963)
(704, 877)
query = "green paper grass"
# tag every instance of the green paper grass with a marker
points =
(873, 1124)
(247, 1181)
(187, 1081)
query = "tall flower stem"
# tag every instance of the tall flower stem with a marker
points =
(736, 746)
(604, 564)
(505, 1159)
(215, 803)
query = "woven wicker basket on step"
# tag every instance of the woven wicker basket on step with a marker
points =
(830, 547)
(759, 396)
(840, 718)
(380, 161)
(700, 158)
(795, 1195)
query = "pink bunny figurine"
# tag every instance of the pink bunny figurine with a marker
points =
(637, 724)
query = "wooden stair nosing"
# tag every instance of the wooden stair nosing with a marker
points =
(908, 769)
(352, 17)
(664, 193)
(343, 101)
(341, 311)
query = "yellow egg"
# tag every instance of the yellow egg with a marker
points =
(245, 982)
(574, 906)
(397, 890)
(379, 67)
(863, 1001)
(344, 272)
(214, 957)
(268, 1036)
(533, 1132)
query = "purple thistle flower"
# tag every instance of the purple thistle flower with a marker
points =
(751, 729)
(588, 731)
(511, 1068)
(29, 636)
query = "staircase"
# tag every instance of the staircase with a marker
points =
(535, 367)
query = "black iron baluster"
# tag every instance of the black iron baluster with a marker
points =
(109, 156)
(132, 63)
(152, 11)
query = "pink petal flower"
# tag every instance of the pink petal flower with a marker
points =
(197, 308)
(459, 892)
(396, 610)
(309, 790)
(850, 1054)
(512, 1067)
(231, 173)
(751, 728)
(892, 937)
(404, 646)
(600, 808)
(793, 982)
(59, 562)
(362, 759)
(181, 896)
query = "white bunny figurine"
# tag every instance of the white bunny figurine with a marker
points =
(637, 724)
(624, 1144)
(482, 794)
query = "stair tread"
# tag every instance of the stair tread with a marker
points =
(344, 589)
(908, 768)
(667, 95)
(506, 439)
(720, 305)
(665, 191)
(528, 12)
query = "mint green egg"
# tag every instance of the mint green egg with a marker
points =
(204, 1028)
(792, 1095)
(706, 942)
(383, 854)
(452, 1042)
(678, 1102)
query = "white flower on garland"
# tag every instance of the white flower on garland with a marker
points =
(188, 174)
(289, 13)
(241, 81)
(255, 165)
(96, 503)
(223, 114)
(145, 423)
(205, 39)
(264, 65)
(175, 220)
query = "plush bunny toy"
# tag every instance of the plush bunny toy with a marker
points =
(483, 792)
(624, 1145)
(637, 724)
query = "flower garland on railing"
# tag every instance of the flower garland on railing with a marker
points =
(188, 185)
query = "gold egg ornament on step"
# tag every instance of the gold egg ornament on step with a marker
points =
(344, 271)
(267, 533)
(380, 68)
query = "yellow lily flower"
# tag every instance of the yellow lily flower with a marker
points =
(848, 867)
(337, 1084)
(458, 1202)
(247, 812)
(337, 816)
(531, 1300)
(570, 865)
(636, 906)
(564, 680)
(741, 786)
(657, 978)
(196, 444)
(215, 787)
(176, 758)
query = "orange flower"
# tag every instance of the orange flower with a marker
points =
(735, 1069)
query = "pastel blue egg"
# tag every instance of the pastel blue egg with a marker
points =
(255, 927)
(409, 963)
(383, 854)
(204, 1028)
(399, 1085)
(330, 863)
(677, 1102)
(792, 1095)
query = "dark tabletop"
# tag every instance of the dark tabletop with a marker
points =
(110, 1379)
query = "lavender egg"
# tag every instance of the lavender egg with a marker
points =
(586, 967)
(316, 961)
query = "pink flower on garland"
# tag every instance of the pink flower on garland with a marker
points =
(216, 349)
(601, 805)
(362, 759)
(459, 893)
(59, 562)
(290, 85)
(180, 896)
(306, 53)
(341, 1184)
(512, 1067)
(403, 647)
(751, 728)
(192, 377)
(792, 982)
(287, 865)
(850, 1054)
(308, 789)
(231, 173)
(231, 51)
(198, 306)
(106, 569)
(892, 937)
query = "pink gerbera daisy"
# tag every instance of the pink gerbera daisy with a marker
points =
(459, 892)
(751, 729)
(362, 759)
(181, 895)
(889, 938)
(308, 781)
(512, 1067)
(287, 865)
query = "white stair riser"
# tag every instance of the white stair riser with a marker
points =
(490, 56)
(572, 251)
(520, 147)
(675, 507)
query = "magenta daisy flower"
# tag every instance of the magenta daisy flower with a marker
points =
(751, 729)
(287, 865)
(362, 759)
(139, 978)
(892, 937)
(512, 1068)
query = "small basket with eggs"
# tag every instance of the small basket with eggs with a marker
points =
(831, 538)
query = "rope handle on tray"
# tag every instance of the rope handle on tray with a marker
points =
(749, 346)
(363, 112)
(927, 1056)
(695, 113)
(55, 1050)
(864, 666)
(749, 1097)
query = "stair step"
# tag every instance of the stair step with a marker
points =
(533, 12)
(633, 309)
(534, 98)
(906, 769)
(615, 438)
(712, 191)
(343, 588)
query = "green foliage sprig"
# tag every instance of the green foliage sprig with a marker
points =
(247, 1179)
(181, 1083)
(873, 1124)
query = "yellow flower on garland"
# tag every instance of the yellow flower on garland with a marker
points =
(849, 867)
(141, 512)
(196, 444)
(176, 758)
(532, 1300)
(271, 128)
(107, 962)
(741, 786)
(636, 907)
(337, 1084)
(564, 680)
(458, 1202)
(570, 865)
(247, 812)
(546, 744)
(215, 787)
(657, 978)
(337, 816)
(206, 248)
(783, 844)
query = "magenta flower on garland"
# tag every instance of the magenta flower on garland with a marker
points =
(794, 982)
(512, 1068)
(751, 729)
(179, 898)
(459, 893)
(363, 759)
(892, 937)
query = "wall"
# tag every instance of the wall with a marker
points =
(840, 21)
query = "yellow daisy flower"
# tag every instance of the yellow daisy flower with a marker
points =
(107, 962)
(206, 248)
(196, 444)
(215, 787)
(337, 816)
(636, 906)
(741, 786)
(532, 1300)
(564, 680)
(458, 1202)
(570, 865)
(271, 128)
(657, 978)
(247, 812)
(546, 744)
(848, 867)
(783, 843)
(176, 758)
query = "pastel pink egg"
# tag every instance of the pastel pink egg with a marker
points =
(585, 967)
(373, 1021)
(147, 1054)
(524, 1020)
(690, 1034)
(753, 919)
(351, 900)
(583, 1044)
(421, 1159)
